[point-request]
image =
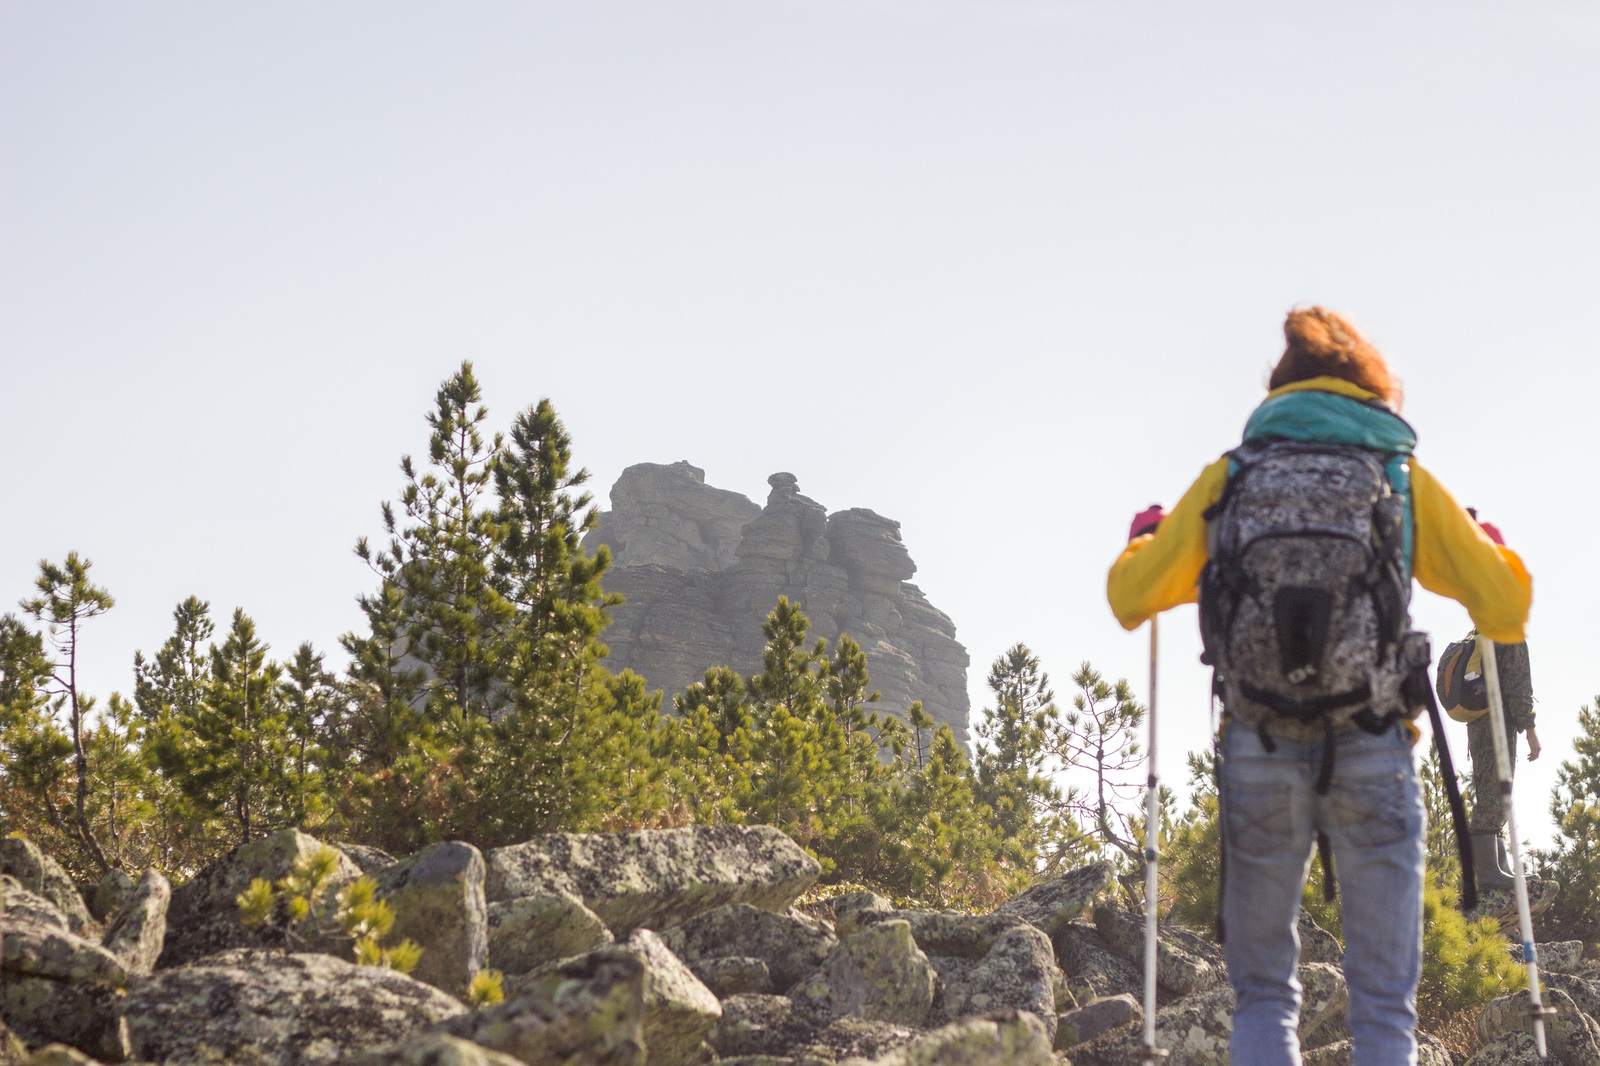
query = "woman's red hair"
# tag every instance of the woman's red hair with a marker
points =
(1324, 344)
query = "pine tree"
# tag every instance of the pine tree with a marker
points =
(1573, 859)
(34, 752)
(1013, 749)
(1097, 739)
(66, 600)
(174, 681)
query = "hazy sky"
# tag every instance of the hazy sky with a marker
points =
(1006, 272)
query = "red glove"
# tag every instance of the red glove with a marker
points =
(1146, 521)
(1494, 534)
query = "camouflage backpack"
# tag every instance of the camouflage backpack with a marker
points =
(1304, 597)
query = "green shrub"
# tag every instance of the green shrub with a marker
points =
(1464, 962)
(312, 913)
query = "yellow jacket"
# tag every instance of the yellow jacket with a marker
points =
(1453, 556)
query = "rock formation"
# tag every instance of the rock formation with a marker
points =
(702, 567)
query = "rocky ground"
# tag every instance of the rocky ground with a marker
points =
(671, 947)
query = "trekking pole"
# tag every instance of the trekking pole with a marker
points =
(1502, 759)
(1152, 832)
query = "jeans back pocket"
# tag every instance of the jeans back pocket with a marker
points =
(1258, 817)
(1372, 812)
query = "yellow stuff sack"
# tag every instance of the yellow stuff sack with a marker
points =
(1463, 691)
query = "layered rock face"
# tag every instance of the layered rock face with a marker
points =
(702, 567)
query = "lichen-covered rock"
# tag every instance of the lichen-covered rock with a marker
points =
(1195, 1031)
(42, 1011)
(49, 951)
(530, 931)
(432, 1049)
(966, 936)
(586, 1011)
(1185, 962)
(1052, 904)
(203, 917)
(658, 878)
(1584, 992)
(1501, 904)
(1571, 1034)
(138, 931)
(1560, 956)
(734, 975)
(853, 1038)
(879, 974)
(678, 1010)
(1316, 943)
(437, 897)
(852, 911)
(1008, 1038)
(43, 876)
(1093, 969)
(110, 894)
(753, 1025)
(24, 906)
(1324, 1005)
(791, 944)
(271, 1008)
(1513, 1049)
(1101, 1016)
(57, 1055)
(1018, 972)
(13, 1052)
(366, 857)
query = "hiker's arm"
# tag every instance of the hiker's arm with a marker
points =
(1456, 558)
(1161, 570)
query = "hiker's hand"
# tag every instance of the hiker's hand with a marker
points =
(1146, 521)
(1533, 744)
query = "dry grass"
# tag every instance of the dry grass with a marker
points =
(1459, 1031)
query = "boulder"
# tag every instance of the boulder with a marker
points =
(734, 975)
(1584, 992)
(1501, 904)
(852, 1038)
(879, 974)
(203, 917)
(792, 944)
(659, 878)
(1195, 1031)
(679, 1011)
(110, 894)
(431, 1049)
(39, 950)
(1050, 905)
(1572, 1034)
(43, 876)
(1007, 1038)
(13, 1052)
(1018, 972)
(853, 910)
(1561, 956)
(1101, 1016)
(1316, 943)
(530, 931)
(753, 1025)
(139, 929)
(1185, 962)
(1324, 1005)
(367, 858)
(586, 1011)
(270, 1008)
(1091, 967)
(57, 1055)
(1430, 1052)
(966, 936)
(437, 897)
(42, 1011)
(1513, 1049)
(24, 906)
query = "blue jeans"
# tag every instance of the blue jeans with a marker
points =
(1373, 816)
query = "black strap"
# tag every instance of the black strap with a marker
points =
(1222, 830)
(1306, 710)
(1458, 810)
(1330, 890)
(1325, 774)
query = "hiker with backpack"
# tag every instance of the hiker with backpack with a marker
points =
(1464, 694)
(1300, 546)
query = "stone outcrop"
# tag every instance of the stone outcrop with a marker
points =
(203, 917)
(678, 1010)
(879, 974)
(43, 876)
(437, 897)
(656, 879)
(1052, 904)
(138, 930)
(1008, 1038)
(530, 931)
(1093, 1019)
(788, 945)
(270, 1007)
(586, 1011)
(702, 567)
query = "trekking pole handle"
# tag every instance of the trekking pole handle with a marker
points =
(1502, 760)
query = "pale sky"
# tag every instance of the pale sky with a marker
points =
(1004, 271)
